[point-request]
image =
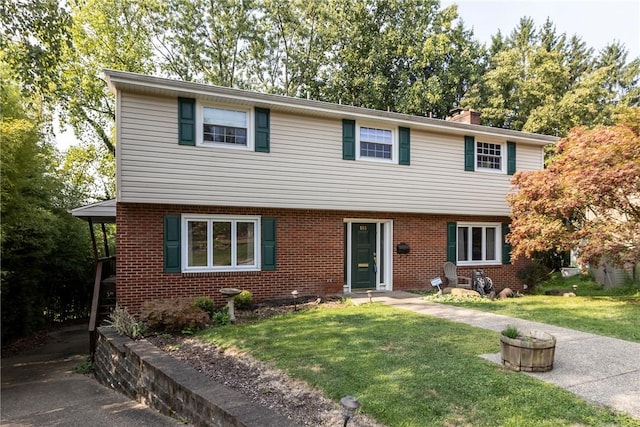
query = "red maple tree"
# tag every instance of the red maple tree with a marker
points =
(587, 199)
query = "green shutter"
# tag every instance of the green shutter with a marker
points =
(268, 237)
(172, 244)
(186, 121)
(262, 130)
(348, 139)
(469, 153)
(405, 146)
(506, 247)
(452, 231)
(511, 158)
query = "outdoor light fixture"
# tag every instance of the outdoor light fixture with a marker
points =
(349, 406)
(295, 300)
(369, 294)
(575, 287)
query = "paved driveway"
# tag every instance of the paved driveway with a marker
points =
(39, 388)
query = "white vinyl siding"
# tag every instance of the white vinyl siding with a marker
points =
(304, 169)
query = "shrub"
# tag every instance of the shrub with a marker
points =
(126, 324)
(174, 315)
(205, 304)
(533, 274)
(221, 317)
(243, 300)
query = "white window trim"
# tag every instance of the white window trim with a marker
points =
(184, 248)
(394, 142)
(498, 242)
(200, 122)
(503, 157)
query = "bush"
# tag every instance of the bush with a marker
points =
(533, 274)
(243, 300)
(221, 317)
(174, 315)
(205, 304)
(126, 324)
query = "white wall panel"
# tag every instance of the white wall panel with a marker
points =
(303, 170)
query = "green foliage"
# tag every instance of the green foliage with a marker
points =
(221, 317)
(421, 372)
(89, 173)
(347, 301)
(46, 255)
(173, 315)
(244, 299)
(511, 332)
(33, 37)
(544, 82)
(205, 304)
(533, 274)
(610, 312)
(126, 324)
(85, 367)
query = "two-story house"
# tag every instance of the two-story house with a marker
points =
(221, 187)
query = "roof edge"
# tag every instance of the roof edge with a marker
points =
(117, 80)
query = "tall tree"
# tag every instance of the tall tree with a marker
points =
(296, 42)
(381, 64)
(522, 77)
(588, 198)
(34, 34)
(45, 253)
(83, 94)
(540, 81)
(60, 53)
(207, 41)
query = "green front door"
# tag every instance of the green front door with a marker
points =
(363, 256)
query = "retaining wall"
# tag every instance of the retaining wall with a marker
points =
(145, 373)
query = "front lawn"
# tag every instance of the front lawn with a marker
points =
(613, 313)
(408, 369)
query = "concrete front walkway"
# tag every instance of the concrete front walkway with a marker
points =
(599, 369)
(39, 388)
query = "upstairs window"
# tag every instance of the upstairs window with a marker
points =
(218, 126)
(489, 156)
(376, 143)
(222, 126)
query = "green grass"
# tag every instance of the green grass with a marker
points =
(409, 370)
(614, 313)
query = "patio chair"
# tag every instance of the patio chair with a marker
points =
(451, 273)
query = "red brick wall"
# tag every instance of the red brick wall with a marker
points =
(310, 254)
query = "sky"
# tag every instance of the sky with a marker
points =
(597, 22)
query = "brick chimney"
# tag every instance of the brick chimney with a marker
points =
(461, 115)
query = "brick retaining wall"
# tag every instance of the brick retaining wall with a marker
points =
(145, 373)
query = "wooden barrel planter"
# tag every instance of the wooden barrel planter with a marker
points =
(532, 352)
